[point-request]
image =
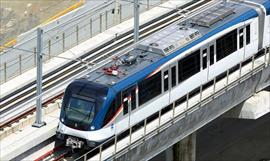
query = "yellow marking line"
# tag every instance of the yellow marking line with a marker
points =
(69, 9)
(8, 44)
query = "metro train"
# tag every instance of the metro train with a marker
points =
(161, 69)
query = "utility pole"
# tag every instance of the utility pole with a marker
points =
(136, 20)
(39, 123)
(116, 18)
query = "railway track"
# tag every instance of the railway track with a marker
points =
(22, 102)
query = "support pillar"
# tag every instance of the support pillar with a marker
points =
(253, 108)
(116, 17)
(169, 154)
(136, 20)
(39, 123)
(185, 150)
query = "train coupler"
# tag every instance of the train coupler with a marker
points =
(74, 143)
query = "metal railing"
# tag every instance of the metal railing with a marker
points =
(220, 84)
(62, 37)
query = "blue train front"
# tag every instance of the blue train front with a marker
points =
(81, 114)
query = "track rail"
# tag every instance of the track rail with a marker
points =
(22, 102)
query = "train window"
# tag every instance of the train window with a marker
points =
(226, 45)
(233, 69)
(166, 109)
(125, 95)
(166, 80)
(133, 99)
(118, 100)
(212, 54)
(125, 104)
(248, 34)
(173, 80)
(149, 88)
(130, 92)
(208, 84)
(241, 38)
(110, 113)
(188, 66)
(180, 100)
(221, 76)
(194, 92)
(204, 56)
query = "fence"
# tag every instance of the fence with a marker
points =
(15, 61)
(164, 118)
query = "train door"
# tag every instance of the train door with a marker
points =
(173, 77)
(250, 39)
(166, 83)
(204, 63)
(208, 59)
(241, 41)
(129, 103)
(166, 80)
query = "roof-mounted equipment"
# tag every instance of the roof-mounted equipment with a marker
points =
(213, 15)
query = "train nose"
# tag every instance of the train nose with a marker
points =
(59, 133)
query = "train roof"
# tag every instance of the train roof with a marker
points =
(167, 41)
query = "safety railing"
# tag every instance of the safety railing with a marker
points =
(169, 115)
(56, 40)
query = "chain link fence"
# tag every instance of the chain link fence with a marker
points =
(56, 40)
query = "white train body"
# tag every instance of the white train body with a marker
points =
(206, 50)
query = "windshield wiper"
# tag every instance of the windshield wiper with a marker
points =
(87, 116)
(77, 111)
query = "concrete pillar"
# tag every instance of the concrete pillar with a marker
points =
(136, 20)
(185, 150)
(116, 17)
(169, 154)
(253, 108)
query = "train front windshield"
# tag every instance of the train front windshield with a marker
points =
(81, 103)
(80, 109)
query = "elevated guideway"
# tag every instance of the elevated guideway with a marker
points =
(172, 124)
(221, 138)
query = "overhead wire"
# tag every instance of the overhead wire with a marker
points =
(61, 57)
(158, 5)
(75, 18)
(124, 1)
(78, 59)
(61, 43)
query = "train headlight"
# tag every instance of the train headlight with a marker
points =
(92, 127)
(62, 119)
